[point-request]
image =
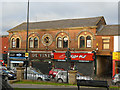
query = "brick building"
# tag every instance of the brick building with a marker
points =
(80, 35)
(4, 47)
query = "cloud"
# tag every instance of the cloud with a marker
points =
(15, 13)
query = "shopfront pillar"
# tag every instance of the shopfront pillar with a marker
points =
(113, 68)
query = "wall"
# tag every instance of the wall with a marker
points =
(72, 33)
(100, 46)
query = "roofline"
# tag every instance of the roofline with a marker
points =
(71, 28)
(54, 20)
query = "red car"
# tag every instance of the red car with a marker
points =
(54, 71)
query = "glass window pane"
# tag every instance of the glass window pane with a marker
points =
(65, 42)
(59, 44)
(35, 43)
(88, 38)
(13, 43)
(17, 43)
(82, 42)
(31, 42)
(105, 46)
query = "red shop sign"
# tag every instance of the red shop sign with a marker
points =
(75, 56)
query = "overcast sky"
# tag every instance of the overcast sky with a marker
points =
(14, 13)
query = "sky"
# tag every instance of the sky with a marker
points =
(13, 13)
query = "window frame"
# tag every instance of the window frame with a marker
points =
(14, 43)
(17, 43)
(87, 42)
(58, 40)
(62, 41)
(80, 41)
(103, 48)
(35, 42)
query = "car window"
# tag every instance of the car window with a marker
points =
(60, 73)
(55, 70)
(59, 70)
(119, 76)
(64, 73)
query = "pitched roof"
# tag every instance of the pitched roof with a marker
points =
(57, 24)
(109, 30)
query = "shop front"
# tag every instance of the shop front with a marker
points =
(15, 58)
(41, 61)
(83, 62)
(116, 63)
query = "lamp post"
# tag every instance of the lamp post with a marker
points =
(26, 62)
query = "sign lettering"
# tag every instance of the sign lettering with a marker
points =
(40, 55)
(75, 56)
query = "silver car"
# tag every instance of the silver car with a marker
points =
(33, 75)
(61, 76)
(116, 79)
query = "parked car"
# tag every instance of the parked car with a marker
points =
(116, 79)
(81, 77)
(53, 72)
(9, 75)
(34, 75)
(61, 76)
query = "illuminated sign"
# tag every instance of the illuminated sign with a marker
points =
(75, 56)
(116, 55)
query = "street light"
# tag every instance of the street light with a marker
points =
(26, 62)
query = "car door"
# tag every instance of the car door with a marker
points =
(64, 76)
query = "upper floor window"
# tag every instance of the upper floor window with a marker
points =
(33, 42)
(13, 43)
(17, 43)
(85, 42)
(88, 42)
(62, 42)
(65, 42)
(82, 42)
(59, 42)
(106, 43)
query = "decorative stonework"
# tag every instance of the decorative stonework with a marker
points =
(62, 33)
(47, 39)
(85, 33)
(34, 34)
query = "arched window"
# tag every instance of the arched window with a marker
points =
(17, 43)
(65, 42)
(82, 42)
(31, 42)
(35, 42)
(88, 42)
(59, 42)
(13, 43)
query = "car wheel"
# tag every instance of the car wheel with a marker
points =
(118, 84)
(39, 79)
(60, 81)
